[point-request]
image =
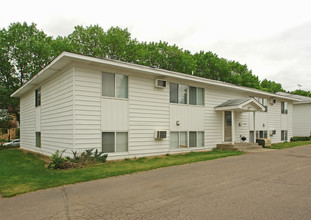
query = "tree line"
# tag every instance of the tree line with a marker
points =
(25, 50)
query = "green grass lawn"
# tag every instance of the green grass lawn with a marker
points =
(24, 172)
(290, 144)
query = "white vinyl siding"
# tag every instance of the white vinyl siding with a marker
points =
(27, 121)
(87, 108)
(57, 112)
(148, 111)
(301, 119)
(114, 115)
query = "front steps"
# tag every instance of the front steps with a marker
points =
(241, 146)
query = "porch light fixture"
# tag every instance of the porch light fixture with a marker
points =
(177, 123)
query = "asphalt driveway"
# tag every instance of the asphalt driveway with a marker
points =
(263, 185)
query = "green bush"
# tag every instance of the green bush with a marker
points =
(59, 162)
(293, 139)
(78, 160)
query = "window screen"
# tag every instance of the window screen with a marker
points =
(183, 142)
(173, 93)
(121, 86)
(200, 139)
(121, 142)
(174, 140)
(182, 94)
(200, 95)
(108, 84)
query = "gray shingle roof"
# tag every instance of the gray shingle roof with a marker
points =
(234, 102)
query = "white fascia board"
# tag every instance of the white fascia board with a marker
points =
(32, 81)
(258, 104)
(140, 68)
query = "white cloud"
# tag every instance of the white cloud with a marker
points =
(271, 37)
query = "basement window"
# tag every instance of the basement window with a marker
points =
(114, 142)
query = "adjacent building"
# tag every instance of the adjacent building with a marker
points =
(301, 115)
(127, 110)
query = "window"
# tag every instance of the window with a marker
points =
(115, 85)
(192, 139)
(180, 139)
(38, 139)
(284, 108)
(178, 93)
(183, 141)
(196, 96)
(114, 142)
(264, 102)
(38, 97)
(261, 134)
(284, 135)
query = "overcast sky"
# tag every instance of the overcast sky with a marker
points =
(272, 37)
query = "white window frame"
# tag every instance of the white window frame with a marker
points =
(115, 87)
(284, 108)
(188, 95)
(115, 142)
(188, 139)
(264, 133)
(197, 98)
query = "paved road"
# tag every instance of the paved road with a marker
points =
(263, 185)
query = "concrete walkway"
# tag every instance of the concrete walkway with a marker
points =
(264, 185)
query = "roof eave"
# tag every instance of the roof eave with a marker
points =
(72, 57)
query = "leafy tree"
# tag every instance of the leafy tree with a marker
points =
(209, 65)
(86, 41)
(25, 50)
(271, 86)
(301, 92)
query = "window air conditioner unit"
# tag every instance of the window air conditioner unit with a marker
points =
(272, 132)
(160, 134)
(160, 83)
(272, 101)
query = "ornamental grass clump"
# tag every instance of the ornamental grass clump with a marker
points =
(58, 161)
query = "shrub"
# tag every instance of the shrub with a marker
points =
(78, 160)
(59, 162)
(300, 139)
